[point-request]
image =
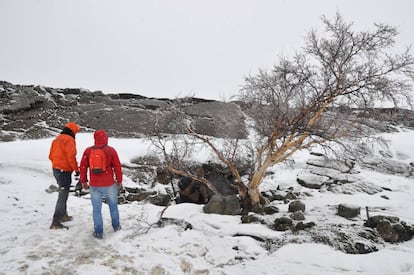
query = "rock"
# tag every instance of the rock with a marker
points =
(225, 205)
(140, 196)
(38, 112)
(290, 196)
(302, 226)
(282, 224)
(219, 176)
(355, 187)
(297, 216)
(386, 231)
(160, 199)
(375, 220)
(363, 248)
(217, 119)
(335, 176)
(341, 166)
(270, 209)
(388, 166)
(390, 228)
(348, 211)
(311, 180)
(168, 221)
(249, 219)
(52, 188)
(215, 205)
(23, 108)
(272, 195)
(295, 206)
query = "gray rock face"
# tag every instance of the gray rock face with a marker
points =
(389, 166)
(297, 216)
(218, 119)
(36, 112)
(282, 224)
(348, 211)
(311, 180)
(355, 187)
(341, 166)
(295, 206)
(391, 229)
(225, 205)
(31, 112)
(342, 177)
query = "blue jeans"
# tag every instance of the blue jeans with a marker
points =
(63, 179)
(111, 195)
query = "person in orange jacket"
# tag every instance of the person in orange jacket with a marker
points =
(103, 183)
(63, 157)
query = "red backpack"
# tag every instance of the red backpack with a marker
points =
(97, 160)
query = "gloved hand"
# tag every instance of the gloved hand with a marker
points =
(78, 186)
(78, 189)
(76, 175)
(85, 185)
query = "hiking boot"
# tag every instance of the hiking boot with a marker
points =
(97, 235)
(117, 228)
(58, 226)
(66, 218)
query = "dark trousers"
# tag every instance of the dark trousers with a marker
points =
(63, 179)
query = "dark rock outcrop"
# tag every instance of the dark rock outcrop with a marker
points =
(296, 206)
(348, 211)
(297, 216)
(32, 112)
(225, 205)
(391, 229)
(282, 224)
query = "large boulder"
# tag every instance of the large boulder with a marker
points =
(391, 229)
(225, 205)
(282, 224)
(296, 206)
(348, 211)
(311, 181)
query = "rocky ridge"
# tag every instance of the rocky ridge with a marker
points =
(30, 112)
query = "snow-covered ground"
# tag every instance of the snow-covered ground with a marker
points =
(27, 246)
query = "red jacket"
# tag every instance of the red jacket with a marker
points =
(114, 169)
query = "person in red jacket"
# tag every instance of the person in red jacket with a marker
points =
(106, 182)
(63, 157)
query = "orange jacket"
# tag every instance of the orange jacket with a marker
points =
(63, 153)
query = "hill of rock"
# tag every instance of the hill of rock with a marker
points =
(31, 112)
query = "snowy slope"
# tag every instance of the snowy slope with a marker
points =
(27, 246)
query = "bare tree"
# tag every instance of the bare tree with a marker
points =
(317, 96)
(300, 102)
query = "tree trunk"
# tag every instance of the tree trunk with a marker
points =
(254, 196)
(255, 182)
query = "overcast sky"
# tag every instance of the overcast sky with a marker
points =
(168, 48)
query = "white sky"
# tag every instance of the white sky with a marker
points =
(167, 48)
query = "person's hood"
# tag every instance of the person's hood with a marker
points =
(101, 138)
(73, 127)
